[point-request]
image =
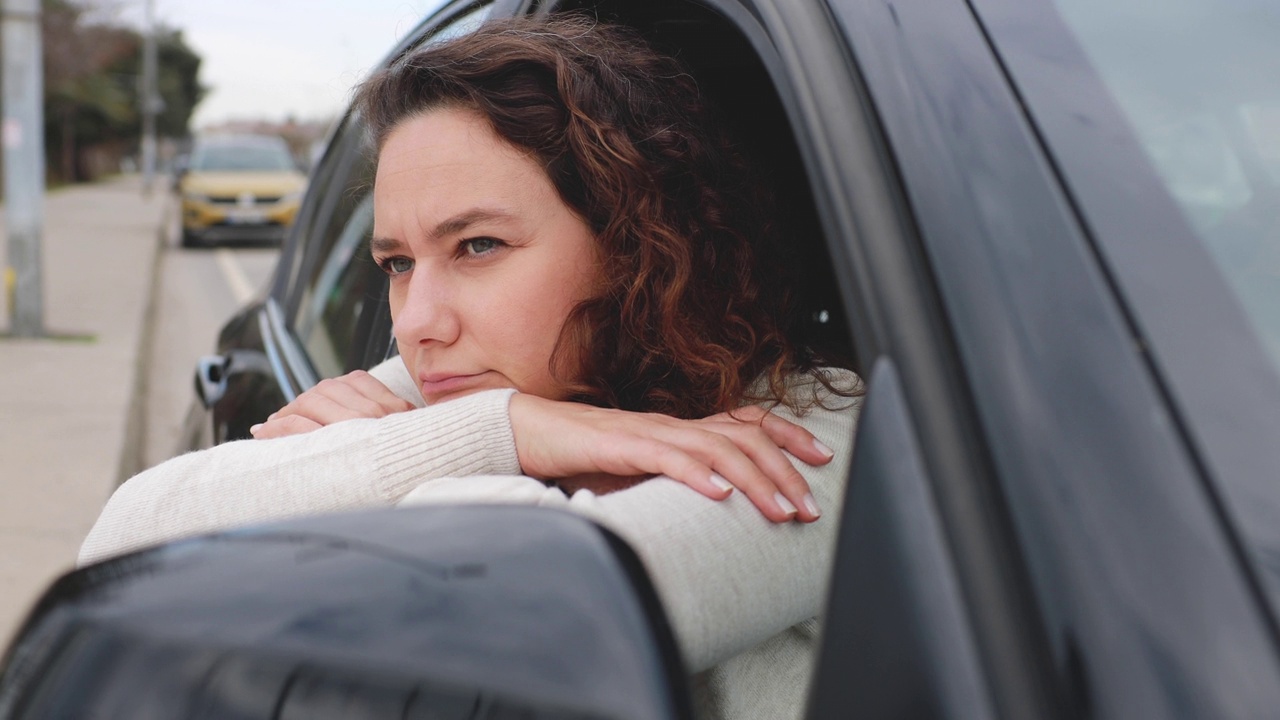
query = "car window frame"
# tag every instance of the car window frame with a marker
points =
(895, 311)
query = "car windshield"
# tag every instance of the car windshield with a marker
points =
(1197, 81)
(229, 157)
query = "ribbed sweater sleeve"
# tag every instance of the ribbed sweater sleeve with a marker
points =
(344, 466)
(729, 578)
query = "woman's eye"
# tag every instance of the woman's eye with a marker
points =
(480, 246)
(396, 265)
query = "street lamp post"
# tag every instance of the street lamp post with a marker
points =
(23, 136)
(149, 100)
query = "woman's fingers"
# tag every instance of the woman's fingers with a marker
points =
(761, 434)
(679, 465)
(784, 433)
(748, 459)
(372, 388)
(331, 401)
(355, 395)
(557, 440)
(282, 426)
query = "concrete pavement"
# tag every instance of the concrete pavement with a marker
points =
(70, 410)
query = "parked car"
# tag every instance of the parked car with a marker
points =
(1049, 230)
(237, 188)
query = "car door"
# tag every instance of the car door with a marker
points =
(1027, 532)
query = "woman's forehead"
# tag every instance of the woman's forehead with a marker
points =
(449, 162)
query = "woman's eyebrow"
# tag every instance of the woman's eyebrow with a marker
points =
(453, 225)
(465, 219)
(384, 245)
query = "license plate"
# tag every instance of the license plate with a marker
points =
(240, 216)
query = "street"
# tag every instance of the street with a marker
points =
(196, 292)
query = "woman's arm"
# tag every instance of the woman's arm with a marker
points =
(576, 444)
(326, 467)
(728, 577)
(356, 464)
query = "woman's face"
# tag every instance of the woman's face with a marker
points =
(484, 258)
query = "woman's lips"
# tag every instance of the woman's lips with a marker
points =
(440, 384)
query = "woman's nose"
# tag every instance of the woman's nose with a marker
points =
(428, 314)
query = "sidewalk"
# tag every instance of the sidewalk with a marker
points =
(67, 407)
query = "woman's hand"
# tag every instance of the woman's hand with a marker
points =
(713, 455)
(354, 395)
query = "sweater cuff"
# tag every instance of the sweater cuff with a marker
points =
(458, 438)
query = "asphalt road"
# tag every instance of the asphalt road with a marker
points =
(198, 290)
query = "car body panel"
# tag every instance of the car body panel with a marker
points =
(1136, 578)
(917, 656)
(254, 381)
(1206, 356)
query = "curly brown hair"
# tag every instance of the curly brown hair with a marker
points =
(693, 318)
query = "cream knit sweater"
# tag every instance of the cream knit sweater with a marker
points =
(742, 593)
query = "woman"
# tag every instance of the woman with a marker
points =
(582, 294)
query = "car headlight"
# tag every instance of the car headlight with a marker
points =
(195, 197)
(292, 197)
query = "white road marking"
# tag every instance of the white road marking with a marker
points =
(237, 281)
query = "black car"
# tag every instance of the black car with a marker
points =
(1049, 230)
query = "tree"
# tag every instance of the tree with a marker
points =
(177, 80)
(93, 89)
(82, 104)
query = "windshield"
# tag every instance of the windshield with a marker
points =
(256, 156)
(1199, 82)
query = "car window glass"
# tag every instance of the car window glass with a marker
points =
(332, 245)
(327, 182)
(232, 157)
(336, 277)
(327, 321)
(1207, 113)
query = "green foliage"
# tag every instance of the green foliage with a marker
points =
(92, 75)
(178, 69)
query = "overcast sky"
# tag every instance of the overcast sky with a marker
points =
(272, 58)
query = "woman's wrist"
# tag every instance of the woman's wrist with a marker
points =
(466, 436)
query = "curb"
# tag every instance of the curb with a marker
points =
(132, 452)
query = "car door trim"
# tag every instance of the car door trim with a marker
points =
(896, 309)
(287, 359)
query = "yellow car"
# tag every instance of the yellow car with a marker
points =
(239, 188)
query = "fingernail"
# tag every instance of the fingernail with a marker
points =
(826, 451)
(784, 503)
(811, 505)
(253, 429)
(719, 481)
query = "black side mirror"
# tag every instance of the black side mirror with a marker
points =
(457, 612)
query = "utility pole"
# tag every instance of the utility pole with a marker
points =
(150, 100)
(23, 134)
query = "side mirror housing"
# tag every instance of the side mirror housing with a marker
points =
(440, 612)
